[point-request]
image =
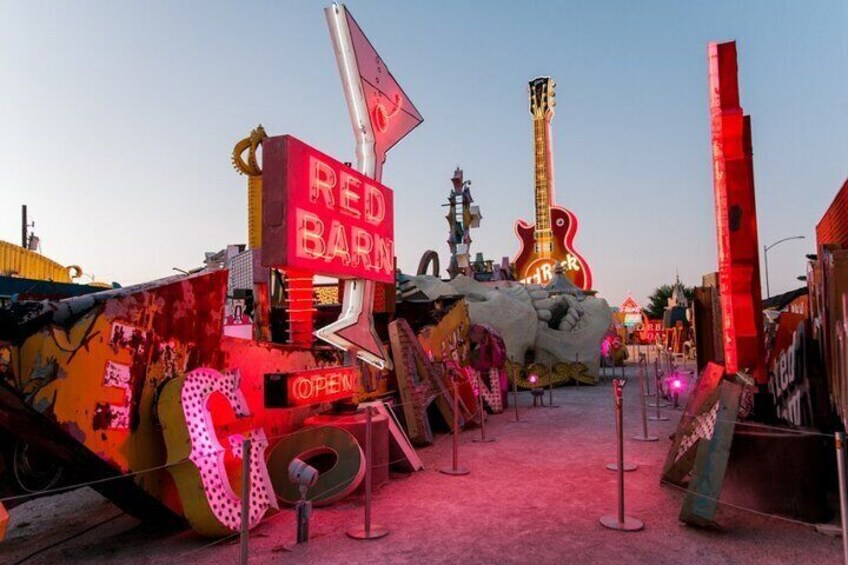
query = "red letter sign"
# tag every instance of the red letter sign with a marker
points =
(321, 216)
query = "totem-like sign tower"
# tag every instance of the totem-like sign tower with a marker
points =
(461, 217)
(736, 218)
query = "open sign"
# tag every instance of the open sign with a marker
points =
(322, 216)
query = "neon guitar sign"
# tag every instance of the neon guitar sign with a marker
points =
(550, 240)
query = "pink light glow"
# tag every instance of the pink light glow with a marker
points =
(533, 378)
(677, 383)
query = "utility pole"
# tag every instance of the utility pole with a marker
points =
(24, 226)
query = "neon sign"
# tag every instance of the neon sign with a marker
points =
(189, 433)
(305, 388)
(322, 216)
(736, 218)
(542, 270)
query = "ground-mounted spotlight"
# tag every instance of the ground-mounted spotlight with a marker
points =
(304, 476)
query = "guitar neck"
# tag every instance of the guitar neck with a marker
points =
(543, 179)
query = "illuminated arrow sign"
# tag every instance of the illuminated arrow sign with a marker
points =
(381, 112)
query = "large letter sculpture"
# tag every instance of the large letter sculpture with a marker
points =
(736, 218)
(190, 434)
(418, 382)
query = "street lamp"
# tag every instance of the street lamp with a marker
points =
(765, 257)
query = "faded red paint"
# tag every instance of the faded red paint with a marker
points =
(736, 218)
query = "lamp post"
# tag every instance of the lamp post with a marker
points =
(765, 257)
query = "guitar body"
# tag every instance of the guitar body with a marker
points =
(532, 266)
(550, 241)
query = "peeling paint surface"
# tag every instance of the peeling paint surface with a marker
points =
(98, 368)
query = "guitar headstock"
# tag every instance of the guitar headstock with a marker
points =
(542, 100)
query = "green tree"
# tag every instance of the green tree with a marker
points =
(658, 300)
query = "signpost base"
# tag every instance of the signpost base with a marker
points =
(376, 532)
(456, 471)
(629, 524)
(627, 467)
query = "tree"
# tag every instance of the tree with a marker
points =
(658, 300)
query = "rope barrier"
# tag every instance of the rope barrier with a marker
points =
(89, 483)
(67, 539)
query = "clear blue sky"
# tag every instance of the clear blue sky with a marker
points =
(117, 120)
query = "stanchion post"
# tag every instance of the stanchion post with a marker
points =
(621, 521)
(643, 370)
(370, 531)
(455, 469)
(482, 438)
(658, 389)
(620, 465)
(245, 499)
(515, 399)
(843, 492)
(551, 390)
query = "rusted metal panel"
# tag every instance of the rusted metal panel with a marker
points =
(701, 500)
(95, 367)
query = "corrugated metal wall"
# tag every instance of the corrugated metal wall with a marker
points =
(15, 260)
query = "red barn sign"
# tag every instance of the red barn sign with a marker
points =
(323, 217)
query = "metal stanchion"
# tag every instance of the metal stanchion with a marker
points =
(621, 521)
(455, 469)
(658, 389)
(843, 492)
(370, 531)
(577, 360)
(483, 418)
(658, 373)
(645, 382)
(245, 499)
(517, 420)
(643, 369)
(551, 391)
(618, 385)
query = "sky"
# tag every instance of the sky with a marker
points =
(117, 120)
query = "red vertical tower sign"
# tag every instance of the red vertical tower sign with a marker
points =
(736, 218)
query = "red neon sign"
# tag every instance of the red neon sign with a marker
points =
(321, 385)
(321, 216)
(736, 218)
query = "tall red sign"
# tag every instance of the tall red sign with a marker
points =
(323, 217)
(736, 218)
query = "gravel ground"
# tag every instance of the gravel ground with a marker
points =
(533, 496)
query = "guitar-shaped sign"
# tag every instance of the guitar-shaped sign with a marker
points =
(550, 241)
